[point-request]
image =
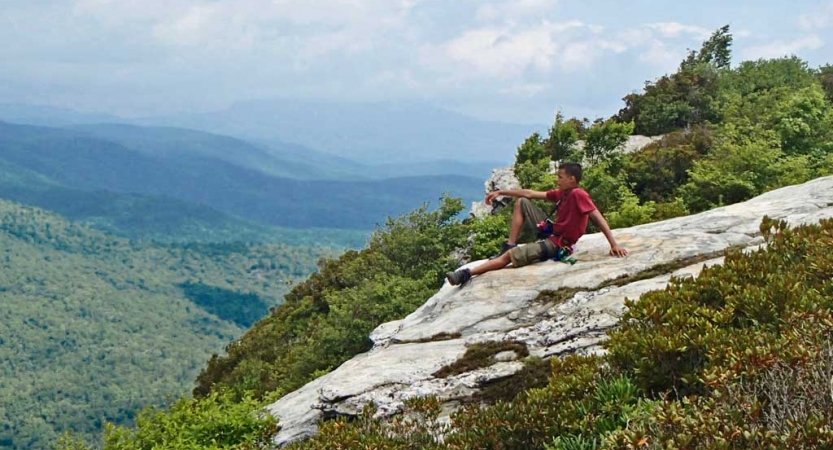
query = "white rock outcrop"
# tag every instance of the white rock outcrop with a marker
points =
(505, 305)
(502, 178)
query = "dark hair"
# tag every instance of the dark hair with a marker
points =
(572, 169)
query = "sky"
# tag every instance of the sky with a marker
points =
(505, 60)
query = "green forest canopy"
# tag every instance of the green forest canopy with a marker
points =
(94, 328)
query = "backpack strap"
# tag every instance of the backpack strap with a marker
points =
(545, 251)
(558, 203)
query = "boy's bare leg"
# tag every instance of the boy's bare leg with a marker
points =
(517, 222)
(494, 264)
(462, 276)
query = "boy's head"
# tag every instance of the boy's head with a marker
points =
(569, 175)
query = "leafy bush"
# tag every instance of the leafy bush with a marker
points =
(489, 233)
(532, 150)
(658, 170)
(630, 212)
(417, 428)
(215, 422)
(687, 97)
(481, 355)
(563, 137)
(604, 187)
(732, 173)
(727, 308)
(602, 139)
(532, 175)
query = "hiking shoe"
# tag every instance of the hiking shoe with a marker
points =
(505, 247)
(458, 277)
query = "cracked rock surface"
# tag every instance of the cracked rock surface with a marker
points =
(505, 305)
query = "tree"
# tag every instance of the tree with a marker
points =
(562, 139)
(531, 150)
(684, 98)
(657, 170)
(826, 79)
(733, 173)
(717, 51)
(604, 138)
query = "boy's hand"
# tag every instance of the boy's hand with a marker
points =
(617, 251)
(492, 195)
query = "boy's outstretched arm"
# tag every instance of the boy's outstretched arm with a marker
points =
(600, 222)
(526, 193)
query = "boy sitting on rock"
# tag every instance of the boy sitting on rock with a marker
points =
(574, 208)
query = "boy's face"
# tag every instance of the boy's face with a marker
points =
(565, 181)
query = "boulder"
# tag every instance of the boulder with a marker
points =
(503, 178)
(552, 307)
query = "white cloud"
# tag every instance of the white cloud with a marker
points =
(578, 55)
(567, 26)
(528, 90)
(506, 52)
(634, 37)
(171, 50)
(660, 55)
(780, 48)
(395, 79)
(820, 19)
(614, 46)
(498, 52)
(674, 29)
(513, 10)
(330, 25)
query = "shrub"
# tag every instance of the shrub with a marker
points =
(630, 211)
(489, 233)
(562, 139)
(603, 138)
(658, 170)
(480, 355)
(212, 423)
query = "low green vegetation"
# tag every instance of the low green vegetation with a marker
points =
(706, 363)
(214, 422)
(94, 328)
(481, 355)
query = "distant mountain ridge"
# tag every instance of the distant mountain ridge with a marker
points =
(370, 133)
(81, 161)
(168, 142)
(274, 158)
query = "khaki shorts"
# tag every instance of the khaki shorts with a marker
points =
(526, 254)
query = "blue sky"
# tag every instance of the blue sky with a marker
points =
(517, 60)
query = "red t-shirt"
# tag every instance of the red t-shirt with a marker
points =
(571, 219)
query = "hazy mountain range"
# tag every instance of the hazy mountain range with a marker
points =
(156, 181)
(367, 133)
